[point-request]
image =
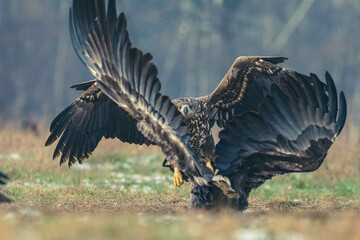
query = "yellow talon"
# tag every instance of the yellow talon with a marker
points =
(178, 181)
(208, 165)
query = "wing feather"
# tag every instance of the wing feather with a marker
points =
(247, 83)
(86, 121)
(332, 99)
(283, 136)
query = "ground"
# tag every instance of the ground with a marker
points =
(122, 192)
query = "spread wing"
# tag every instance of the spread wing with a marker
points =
(93, 115)
(242, 87)
(129, 78)
(86, 121)
(292, 131)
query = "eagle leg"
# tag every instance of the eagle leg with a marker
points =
(207, 152)
(178, 181)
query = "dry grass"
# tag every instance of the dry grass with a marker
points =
(122, 192)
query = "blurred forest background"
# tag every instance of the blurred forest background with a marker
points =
(193, 43)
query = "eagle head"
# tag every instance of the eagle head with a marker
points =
(188, 107)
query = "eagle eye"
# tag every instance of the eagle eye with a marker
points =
(185, 110)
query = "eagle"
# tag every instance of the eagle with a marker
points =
(273, 120)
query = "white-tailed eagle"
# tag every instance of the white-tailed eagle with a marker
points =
(274, 120)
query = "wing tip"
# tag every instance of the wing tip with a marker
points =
(342, 114)
(327, 74)
(48, 143)
(274, 59)
(313, 75)
(84, 85)
(329, 79)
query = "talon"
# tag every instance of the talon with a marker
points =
(208, 165)
(178, 181)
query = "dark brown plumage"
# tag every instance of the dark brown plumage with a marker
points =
(274, 120)
(287, 124)
(86, 121)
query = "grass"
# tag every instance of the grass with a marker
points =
(122, 192)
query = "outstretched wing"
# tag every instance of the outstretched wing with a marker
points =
(242, 87)
(292, 131)
(128, 77)
(86, 121)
